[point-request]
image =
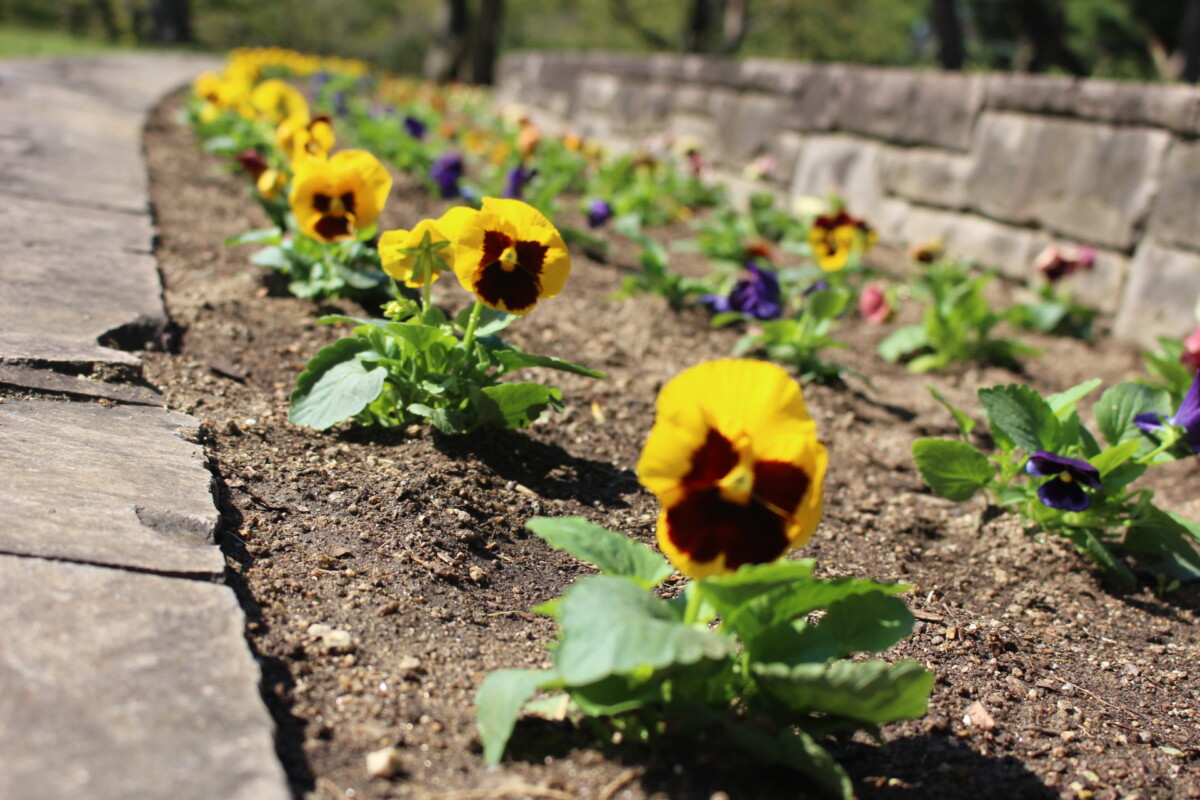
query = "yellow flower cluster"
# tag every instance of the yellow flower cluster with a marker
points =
(507, 254)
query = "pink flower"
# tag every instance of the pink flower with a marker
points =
(1191, 350)
(1057, 262)
(874, 305)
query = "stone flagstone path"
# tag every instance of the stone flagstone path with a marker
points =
(124, 671)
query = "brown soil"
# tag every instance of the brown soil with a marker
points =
(414, 543)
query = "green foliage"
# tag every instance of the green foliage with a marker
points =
(655, 277)
(645, 665)
(1167, 366)
(416, 368)
(797, 341)
(958, 324)
(1118, 521)
(1055, 313)
(321, 269)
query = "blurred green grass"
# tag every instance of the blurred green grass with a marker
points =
(22, 42)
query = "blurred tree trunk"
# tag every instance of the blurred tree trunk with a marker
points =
(108, 19)
(487, 42)
(623, 15)
(948, 29)
(448, 50)
(698, 27)
(733, 30)
(170, 21)
(1045, 28)
(1189, 41)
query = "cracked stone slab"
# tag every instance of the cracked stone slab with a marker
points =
(116, 685)
(74, 184)
(119, 486)
(18, 377)
(78, 298)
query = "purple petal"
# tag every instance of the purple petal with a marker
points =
(716, 303)
(1046, 463)
(1063, 496)
(1149, 422)
(1188, 415)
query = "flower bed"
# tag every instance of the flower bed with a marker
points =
(414, 545)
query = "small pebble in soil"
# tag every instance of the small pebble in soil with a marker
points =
(384, 763)
(333, 640)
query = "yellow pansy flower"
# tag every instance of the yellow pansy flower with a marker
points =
(335, 198)
(507, 254)
(274, 100)
(734, 459)
(301, 137)
(833, 237)
(397, 253)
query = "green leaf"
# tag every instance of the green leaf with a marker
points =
(1097, 551)
(1021, 413)
(499, 701)
(965, 423)
(1165, 543)
(867, 691)
(1119, 406)
(953, 469)
(273, 257)
(260, 236)
(518, 359)
(490, 322)
(335, 385)
(868, 622)
(612, 626)
(610, 552)
(420, 338)
(826, 303)
(515, 405)
(1113, 457)
(929, 362)
(1064, 402)
(794, 748)
(902, 341)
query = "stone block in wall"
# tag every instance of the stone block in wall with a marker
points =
(745, 124)
(909, 107)
(1086, 180)
(932, 177)
(814, 102)
(1124, 103)
(641, 108)
(1036, 94)
(701, 126)
(847, 165)
(1174, 217)
(598, 91)
(1160, 296)
(876, 102)
(1007, 248)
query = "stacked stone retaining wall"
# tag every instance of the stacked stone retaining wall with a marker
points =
(998, 166)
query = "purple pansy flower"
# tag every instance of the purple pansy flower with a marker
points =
(514, 184)
(758, 295)
(415, 127)
(598, 213)
(1064, 492)
(1187, 417)
(446, 173)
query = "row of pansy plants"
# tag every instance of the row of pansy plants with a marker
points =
(755, 649)
(419, 364)
(1043, 463)
(324, 206)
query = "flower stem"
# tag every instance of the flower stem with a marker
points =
(472, 322)
(691, 611)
